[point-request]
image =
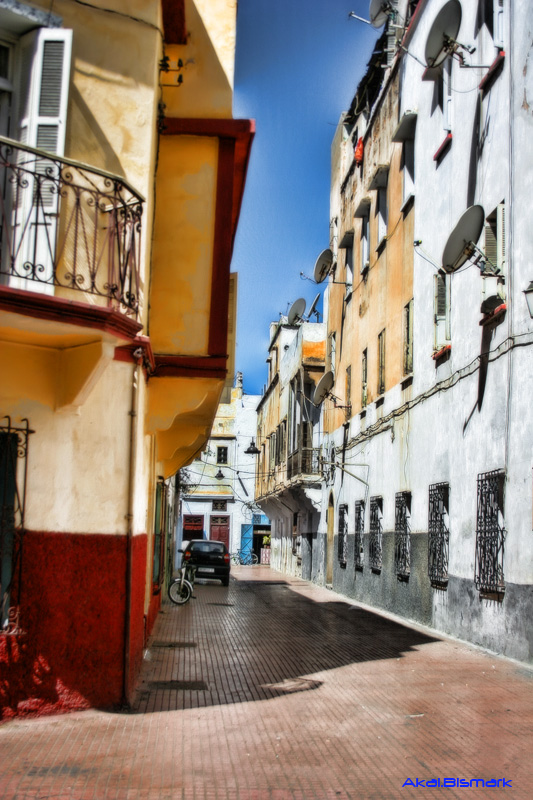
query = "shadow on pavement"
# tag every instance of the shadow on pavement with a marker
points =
(258, 640)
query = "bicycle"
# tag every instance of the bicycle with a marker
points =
(244, 558)
(181, 588)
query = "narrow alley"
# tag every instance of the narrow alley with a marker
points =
(275, 688)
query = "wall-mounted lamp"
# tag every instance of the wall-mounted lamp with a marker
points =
(529, 298)
(252, 450)
(219, 475)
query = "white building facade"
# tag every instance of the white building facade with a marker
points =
(217, 489)
(427, 490)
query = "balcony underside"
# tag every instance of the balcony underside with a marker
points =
(53, 351)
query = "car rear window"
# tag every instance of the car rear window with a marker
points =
(208, 547)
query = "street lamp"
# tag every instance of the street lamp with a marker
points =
(252, 450)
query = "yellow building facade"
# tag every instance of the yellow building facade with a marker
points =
(122, 173)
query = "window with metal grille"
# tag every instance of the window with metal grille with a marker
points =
(381, 362)
(342, 542)
(13, 460)
(490, 532)
(359, 529)
(222, 455)
(408, 338)
(442, 310)
(376, 533)
(402, 535)
(495, 239)
(220, 505)
(439, 534)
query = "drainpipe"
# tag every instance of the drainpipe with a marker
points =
(138, 356)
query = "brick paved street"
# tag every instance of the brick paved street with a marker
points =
(278, 689)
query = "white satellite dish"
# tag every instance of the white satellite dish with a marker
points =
(323, 388)
(296, 311)
(313, 306)
(323, 265)
(443, 33)
(462, 240)
(379, 12)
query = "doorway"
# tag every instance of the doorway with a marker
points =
(219, 530)
(329, 543)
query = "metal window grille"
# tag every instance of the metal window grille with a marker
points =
(408, 338)
(13, 472)
(220, 505)
(439, 534)
(359, 528)
(343, 535)
(222, 455)
(490, 532)
(376, 533)
(381, 362)
(402, 535)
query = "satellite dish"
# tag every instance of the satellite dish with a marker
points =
(460, 245)
(313, 306)
(445, 27)
(323, 387)
(378, 12)
(323, 265)
(296, 311)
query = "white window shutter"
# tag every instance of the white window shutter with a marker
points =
(45, 57)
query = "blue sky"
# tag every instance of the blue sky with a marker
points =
(298, 65)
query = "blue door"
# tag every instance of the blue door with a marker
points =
(247, 538)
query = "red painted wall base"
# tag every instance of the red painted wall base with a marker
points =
(72, 612)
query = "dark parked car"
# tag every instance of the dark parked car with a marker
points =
(210, 558)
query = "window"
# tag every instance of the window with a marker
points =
(272, 451)
(446, 94)
(490, 533)
(439, 534)
(359, 530)
(220, 505)
(365, 245)
(495, 239)
(376, 534)
(332, 346)
(348, 259)
(343, 535)
(348, 390)
(382, 214)
(402, 535)
(408, 169)
(497, 33)
(34, 83)
(381, 362)
(222, 455)
(408, 338)
(442, 293)
(364, 379)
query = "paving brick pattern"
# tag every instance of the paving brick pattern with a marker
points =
(274, 689)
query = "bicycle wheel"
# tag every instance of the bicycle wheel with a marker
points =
(255, 560)
(236, 559)
(179, 592)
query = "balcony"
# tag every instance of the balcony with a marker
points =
(68, 231)
(305, 461)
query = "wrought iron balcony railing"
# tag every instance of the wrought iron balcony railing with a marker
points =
(305, 461)
(68, 230)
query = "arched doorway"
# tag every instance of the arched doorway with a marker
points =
(329, 544)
